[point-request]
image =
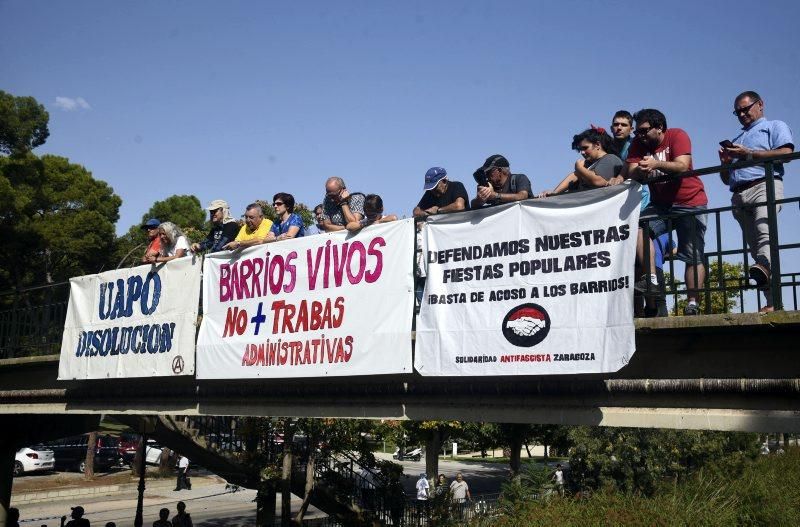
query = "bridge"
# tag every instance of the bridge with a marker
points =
(730, 371)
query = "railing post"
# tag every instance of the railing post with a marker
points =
(774, 250)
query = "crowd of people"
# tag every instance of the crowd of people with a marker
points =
(640, 147)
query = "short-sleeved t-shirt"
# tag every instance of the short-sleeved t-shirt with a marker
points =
(293, 220)
(180, 243)
(522, 183)
(422, 489)
(261, 231)
(761, 135)
(154, 247)
(333, 211)
(454, 190)
(459, 490)
(686, 192)
(606, 167)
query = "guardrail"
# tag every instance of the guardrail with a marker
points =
(32, 319)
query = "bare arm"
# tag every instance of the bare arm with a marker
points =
(289, 234)
(561, 187)
(590, 177)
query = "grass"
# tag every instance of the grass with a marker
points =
(766, 493)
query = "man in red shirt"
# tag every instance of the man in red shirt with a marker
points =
(153, 243)
(658, 151)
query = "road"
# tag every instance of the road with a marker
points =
(211, 506)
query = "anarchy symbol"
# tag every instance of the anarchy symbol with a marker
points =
(177, 365)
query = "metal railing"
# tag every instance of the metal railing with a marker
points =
(32, 319)
(732, 289)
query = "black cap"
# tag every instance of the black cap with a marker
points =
(493, 161)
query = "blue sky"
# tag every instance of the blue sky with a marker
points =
(239, 100)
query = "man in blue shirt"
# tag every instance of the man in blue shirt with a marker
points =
(758, 139)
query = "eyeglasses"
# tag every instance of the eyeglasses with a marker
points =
(641, 132)
(277, 203)
(744, 109)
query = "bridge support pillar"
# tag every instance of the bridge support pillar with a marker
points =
(265, 503)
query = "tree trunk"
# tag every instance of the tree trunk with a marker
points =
(312, 459)
(286, 474)
(515, 447)
(528, 449)
(432, 446)
(163, 461)
(546, 452)
(137, 458)
(91, 446)
(265, 504)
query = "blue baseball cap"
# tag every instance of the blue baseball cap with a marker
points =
(433, 176)
(152, 223)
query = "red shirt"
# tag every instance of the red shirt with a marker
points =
(686, 192)
(154, 247)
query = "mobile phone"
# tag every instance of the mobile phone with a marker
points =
(726, 143)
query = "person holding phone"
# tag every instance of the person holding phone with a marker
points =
(497, 185)
(758, 139)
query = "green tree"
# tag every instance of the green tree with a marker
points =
(56, 220)
(23, 124)
(184, 211)
(729, 275)
(636, 459)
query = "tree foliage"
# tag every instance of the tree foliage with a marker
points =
(23, 124)
(728, 275)
(184, 211)
(636, 459)
(56, 220)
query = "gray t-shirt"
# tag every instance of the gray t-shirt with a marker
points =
(606, 167)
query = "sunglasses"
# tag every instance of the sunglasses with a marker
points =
(277, 203)
(744, 109)
(641, 132)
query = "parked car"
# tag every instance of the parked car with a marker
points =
(70, 452)
(32, 459)
(128, 446)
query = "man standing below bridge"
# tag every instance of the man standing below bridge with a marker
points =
(759, 139)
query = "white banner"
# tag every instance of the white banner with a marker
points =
(327, 305)
(138, 322)
(531, 288)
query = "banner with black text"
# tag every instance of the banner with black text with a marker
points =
(537, 287)
(334, 304)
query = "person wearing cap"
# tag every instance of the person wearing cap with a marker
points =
(441, 194)
(154, 244)
(223, 228)
(255, 231)
(340, 206)
(289, 224)
(77, 518)
(497, 185)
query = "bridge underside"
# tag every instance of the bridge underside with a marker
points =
(718, 372)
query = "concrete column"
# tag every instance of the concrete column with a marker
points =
(7, 451)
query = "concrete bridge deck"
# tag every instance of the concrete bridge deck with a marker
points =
(723, 372)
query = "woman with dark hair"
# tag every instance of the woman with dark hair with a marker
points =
(597, 166)
(289, 224)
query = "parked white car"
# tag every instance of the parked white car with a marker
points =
(30, 460)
